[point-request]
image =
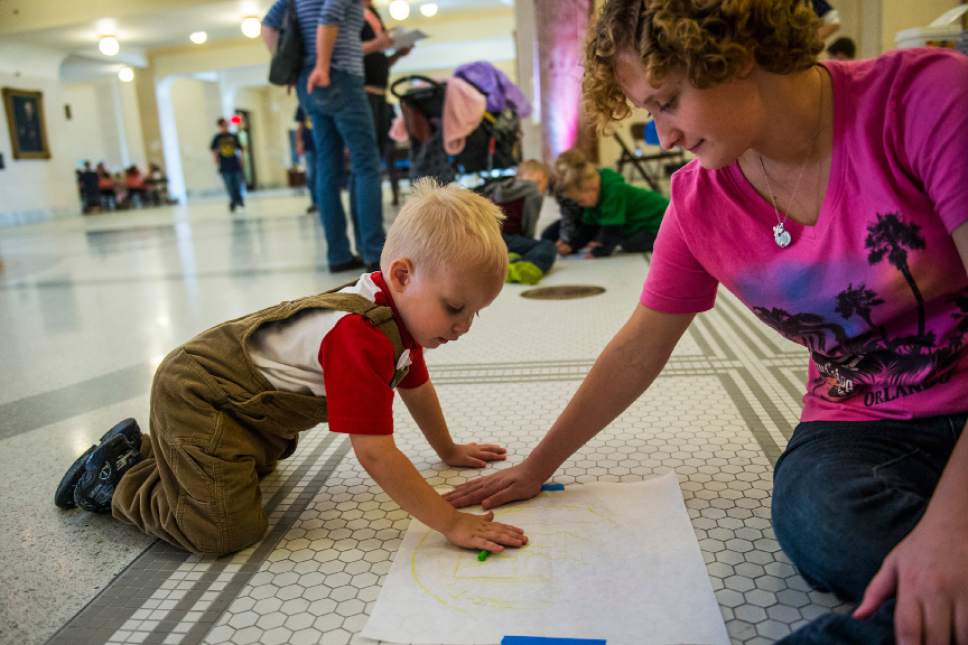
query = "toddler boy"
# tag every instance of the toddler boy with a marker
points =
(229, 403)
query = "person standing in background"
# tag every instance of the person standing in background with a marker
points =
(306, 148)
(376, 75)
(330, 89)
(829, 18)
(842, 48)
(227, 151)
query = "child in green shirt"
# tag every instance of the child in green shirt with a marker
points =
(615, 213)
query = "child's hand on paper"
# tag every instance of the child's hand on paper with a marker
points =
(474, 455)
(480, 532)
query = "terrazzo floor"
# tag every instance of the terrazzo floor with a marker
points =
(88, 307)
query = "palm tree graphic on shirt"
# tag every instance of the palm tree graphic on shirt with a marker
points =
(854, 365)
(890, 236)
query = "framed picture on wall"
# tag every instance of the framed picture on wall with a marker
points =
(25, 120)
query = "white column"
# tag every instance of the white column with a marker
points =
(169, 139)
(118, 124)
(227, 89)
(529, 76)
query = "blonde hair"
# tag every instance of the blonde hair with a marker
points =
(711, 41)
(573, 171)
(530, 167)
(444, 226)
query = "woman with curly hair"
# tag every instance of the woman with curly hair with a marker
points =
(832, 200)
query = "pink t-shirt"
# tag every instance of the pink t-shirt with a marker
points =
(875, 290)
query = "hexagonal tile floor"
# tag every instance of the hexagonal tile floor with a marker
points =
(718, 417)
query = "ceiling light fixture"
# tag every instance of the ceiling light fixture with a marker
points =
(126, 74)
(198, 37)
(251, 27)
(399, 9)
(108, 45)
(429, 9)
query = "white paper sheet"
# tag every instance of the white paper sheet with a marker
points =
(612, 561)
(403, 38)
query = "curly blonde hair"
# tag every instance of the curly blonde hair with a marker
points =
(711, 41)
(573, 171)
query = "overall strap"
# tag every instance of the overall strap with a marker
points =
(380, 316)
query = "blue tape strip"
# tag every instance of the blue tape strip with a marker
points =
(552, 486)
(541, 640)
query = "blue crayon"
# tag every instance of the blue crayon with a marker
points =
(552, 486)
(540, 640)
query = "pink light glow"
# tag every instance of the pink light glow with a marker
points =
(561, 28)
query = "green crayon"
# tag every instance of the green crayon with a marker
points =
(482, 555)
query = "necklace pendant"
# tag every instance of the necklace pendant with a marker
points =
(781, 236)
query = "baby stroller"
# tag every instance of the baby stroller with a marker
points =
(494, 144)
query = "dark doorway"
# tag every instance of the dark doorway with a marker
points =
(245, 136)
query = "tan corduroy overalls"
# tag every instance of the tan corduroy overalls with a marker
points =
(217, 427)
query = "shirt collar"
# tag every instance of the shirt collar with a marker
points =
(383, 297)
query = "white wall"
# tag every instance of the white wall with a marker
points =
(280, 110)
(269, 171)
(85, 132)
(104, 123)
(904, 14)
(131, 122)
(34, 188)
(197, 105)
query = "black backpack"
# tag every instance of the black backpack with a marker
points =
(287, 60)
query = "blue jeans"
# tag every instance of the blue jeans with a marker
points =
(540, 253)
(844, 495)
(234, 181)
(311, 174)
(341, 114)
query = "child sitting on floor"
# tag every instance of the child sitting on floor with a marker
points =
(520, 199)
(614, 213)
(227, 405)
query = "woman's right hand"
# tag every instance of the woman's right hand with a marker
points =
(500, 488)
(563, 247)
(481, 532)
(319, 77)
(384, 41)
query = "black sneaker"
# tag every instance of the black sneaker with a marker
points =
(64, 495)
(102, 472)
(355, 263)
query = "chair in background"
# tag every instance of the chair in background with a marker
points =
(652, 168)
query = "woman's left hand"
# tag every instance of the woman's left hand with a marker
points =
(474, 455)
(928, 573)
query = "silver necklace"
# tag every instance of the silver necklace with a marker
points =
(782, 236)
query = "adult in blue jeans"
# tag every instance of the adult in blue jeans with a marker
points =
(330, 90)
(866, 267)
